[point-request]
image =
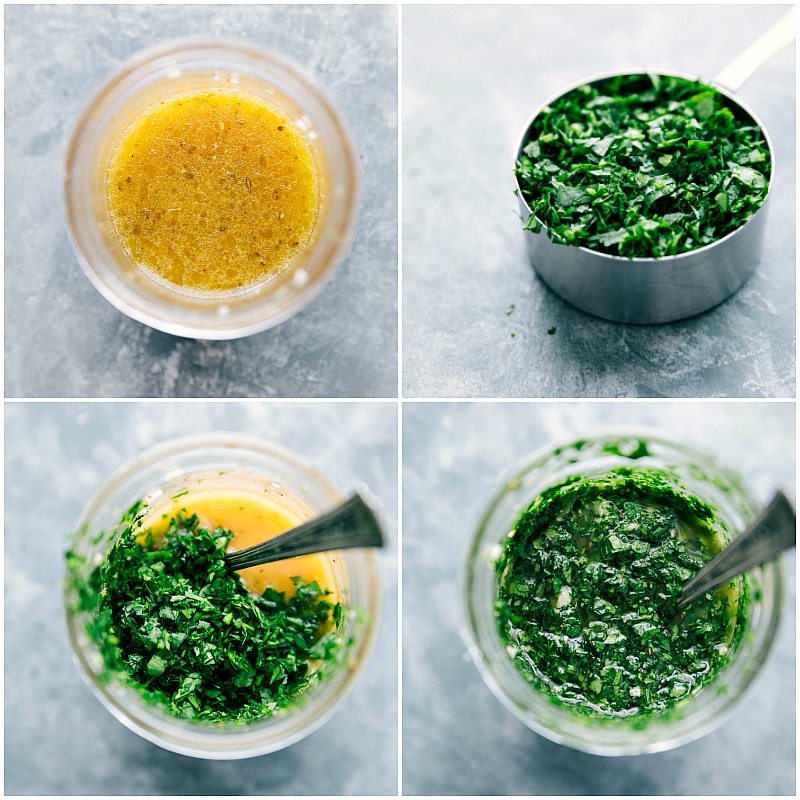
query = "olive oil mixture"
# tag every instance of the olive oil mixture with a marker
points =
(213, 190)
(252, 517)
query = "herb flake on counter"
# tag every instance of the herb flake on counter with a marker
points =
(188, 635)
(643, 166)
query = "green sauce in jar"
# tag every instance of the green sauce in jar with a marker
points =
(587, 585)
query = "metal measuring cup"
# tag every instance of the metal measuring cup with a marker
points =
(655, 290)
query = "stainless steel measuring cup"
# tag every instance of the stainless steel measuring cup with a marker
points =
(655, 290)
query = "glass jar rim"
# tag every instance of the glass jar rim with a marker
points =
(483, 642)
(212, 315)
(260, 736)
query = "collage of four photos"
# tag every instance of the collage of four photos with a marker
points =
(381, 382)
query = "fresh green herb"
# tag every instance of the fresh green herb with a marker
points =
(627, 448)
(180, 494)
(551, 331)
(510, 310)
(171, 619)
(643, 166)
(513, 335)
(588, 582)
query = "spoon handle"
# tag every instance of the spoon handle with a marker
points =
(771, 42)
(774, 531)
(351, 524)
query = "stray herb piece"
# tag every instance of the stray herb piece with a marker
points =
(643, 166)
(587, 583)
(171, 619)
(510, 310)
(513, 335)
(551, 331)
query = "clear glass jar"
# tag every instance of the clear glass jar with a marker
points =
(719, 486)
(182, 65)
(154, 474)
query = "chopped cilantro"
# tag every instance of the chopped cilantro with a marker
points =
(171, 620)
(643, 166)
(551, 331)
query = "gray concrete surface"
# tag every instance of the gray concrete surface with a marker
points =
(457, 738)
(472, 75)
(62, 339)
(59, 740)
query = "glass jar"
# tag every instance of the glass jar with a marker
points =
(155, 474)
(700, 713)
(193, 64)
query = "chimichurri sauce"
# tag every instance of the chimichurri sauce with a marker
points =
(588, 581)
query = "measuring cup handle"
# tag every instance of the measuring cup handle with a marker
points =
(770, 42)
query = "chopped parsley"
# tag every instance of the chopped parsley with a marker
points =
(643, 166)
(587, 585)
(178, 626)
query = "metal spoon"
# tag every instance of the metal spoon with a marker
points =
(351, 524)
(774, 531)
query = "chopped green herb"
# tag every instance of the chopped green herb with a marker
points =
(643, 166)
(551, 331)
(171, 620)
(587, 583)
(180, 494)
(513, 335)
(510, 310)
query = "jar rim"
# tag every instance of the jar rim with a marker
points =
(194, 314)
(318, 703)
(533, 707)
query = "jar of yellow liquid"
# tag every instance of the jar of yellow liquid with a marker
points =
(211, 189)
(256, 490)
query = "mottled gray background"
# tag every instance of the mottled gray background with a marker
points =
(457, 738)
(58, 738)
(472, 75)
(62, 339)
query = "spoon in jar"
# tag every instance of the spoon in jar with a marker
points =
(351, 524)
(772, 532)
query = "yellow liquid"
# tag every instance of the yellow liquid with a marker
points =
(252, 516)
(213, 190)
